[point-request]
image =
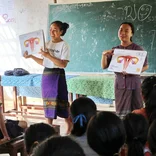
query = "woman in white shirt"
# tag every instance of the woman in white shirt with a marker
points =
(54, 87)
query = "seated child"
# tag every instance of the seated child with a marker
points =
(82, 109)
(10, 128)
(35, 134)
(152, 137)
(136, 127)
(58, 146)
(106, 133)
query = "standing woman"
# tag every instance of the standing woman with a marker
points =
(54, 87)
(127, 86)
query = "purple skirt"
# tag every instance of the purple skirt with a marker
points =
(54, 93)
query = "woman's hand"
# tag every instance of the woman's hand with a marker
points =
(4, 140)
(108, 52)
(25, 55)
(45, 53)
(124, 72)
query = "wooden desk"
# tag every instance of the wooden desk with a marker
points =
(30, 87)
(99, 86)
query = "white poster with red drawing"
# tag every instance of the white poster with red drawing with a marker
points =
(32, 42)
(129, 61)
(7, 11)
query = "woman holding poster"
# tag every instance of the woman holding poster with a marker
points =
(54, 87)
(127, 86)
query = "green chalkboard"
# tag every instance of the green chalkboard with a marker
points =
(94, 27)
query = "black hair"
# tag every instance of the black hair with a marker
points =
(152, 137)
(37, 133)
(131, 25)
(136, 127)
(148, 87)
(58, 146)
(106, 133)
(63, 26)
(82, 106)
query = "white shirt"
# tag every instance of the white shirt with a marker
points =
(59, 50)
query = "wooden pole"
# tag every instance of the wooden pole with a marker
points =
(55, 1)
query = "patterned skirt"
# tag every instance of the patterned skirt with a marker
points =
(54, 93)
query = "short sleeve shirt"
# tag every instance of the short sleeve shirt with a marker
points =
(59, 50)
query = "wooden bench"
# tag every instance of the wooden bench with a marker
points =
(14, 146)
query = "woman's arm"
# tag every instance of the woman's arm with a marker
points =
(144, 68)
(104, 62)
(56, 61)
(3, 127)
(36, 59)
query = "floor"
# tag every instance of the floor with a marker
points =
(58, 121)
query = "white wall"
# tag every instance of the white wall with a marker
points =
(30, 15)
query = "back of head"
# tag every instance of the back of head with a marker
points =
(136, 128)
(152, 137)
(106, 133)
(36, 133)
(82, 109)
(149, 94)
(58, 146)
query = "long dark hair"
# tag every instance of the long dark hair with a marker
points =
(82, 109)
(37, 133)
(148, 87)
(106, 133)
(136, 128)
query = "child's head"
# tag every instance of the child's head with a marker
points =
(136, 128)
(152, 137)
(58, 146)
(149, 94)
(36, 133)
(59, 27)
(106, 133)
(82, 109)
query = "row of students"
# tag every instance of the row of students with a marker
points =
(101, 133)
(105, 133)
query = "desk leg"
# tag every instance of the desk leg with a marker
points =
(24, 103)
(2, 97)
(80, 95)
(15, 98)
(70, 97)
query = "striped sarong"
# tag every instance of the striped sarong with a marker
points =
(54, 93)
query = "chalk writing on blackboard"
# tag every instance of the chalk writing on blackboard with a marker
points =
(94, 28)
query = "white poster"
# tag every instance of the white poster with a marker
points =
(129, 61)
(6, 11)
(32, 42)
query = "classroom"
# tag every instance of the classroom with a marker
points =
(93, 28)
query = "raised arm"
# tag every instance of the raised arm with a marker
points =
(104, 59)
(144, 68)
